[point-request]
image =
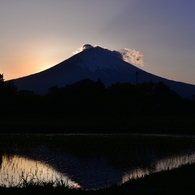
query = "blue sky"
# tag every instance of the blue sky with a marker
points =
(38, 34)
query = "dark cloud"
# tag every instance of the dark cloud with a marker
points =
(87, 46)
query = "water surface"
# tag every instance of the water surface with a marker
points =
(91, 161)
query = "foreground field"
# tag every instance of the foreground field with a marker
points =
(178, 181)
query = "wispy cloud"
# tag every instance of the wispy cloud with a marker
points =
(132, 56)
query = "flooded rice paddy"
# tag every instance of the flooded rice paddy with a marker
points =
(90, 161)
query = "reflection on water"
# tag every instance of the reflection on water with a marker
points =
(160, 165)
(84, 166)
(89, 173)
(13, 167)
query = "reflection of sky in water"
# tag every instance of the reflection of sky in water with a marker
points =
(13, 167)
(90, 173)
(160, 165)
(93, 172)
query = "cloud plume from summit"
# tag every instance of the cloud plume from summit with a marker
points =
(131, 56)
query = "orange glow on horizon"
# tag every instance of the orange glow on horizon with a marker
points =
(25, 66)
(32, 57)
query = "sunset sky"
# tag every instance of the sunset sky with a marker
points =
(38, 34)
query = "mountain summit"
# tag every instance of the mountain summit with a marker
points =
(95, 63)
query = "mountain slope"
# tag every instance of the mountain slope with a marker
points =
(94, 63)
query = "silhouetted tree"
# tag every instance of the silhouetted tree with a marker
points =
(10, 88)
(2, 95)
(121, 97)
(7, 95)
(1, 80)
(100, 86)
(167, 100)
(28, 103)
(82, 95)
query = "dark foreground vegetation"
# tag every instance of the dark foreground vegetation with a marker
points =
(89, 107)
(178, 181)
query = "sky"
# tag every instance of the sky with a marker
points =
(38, 34)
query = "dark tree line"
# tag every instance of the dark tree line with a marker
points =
(87, 96)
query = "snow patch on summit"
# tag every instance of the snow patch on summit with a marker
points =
(128, 55)
(97, 58)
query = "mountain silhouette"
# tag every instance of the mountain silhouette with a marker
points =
(96, 63)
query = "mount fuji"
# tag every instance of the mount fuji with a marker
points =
(95, 63)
